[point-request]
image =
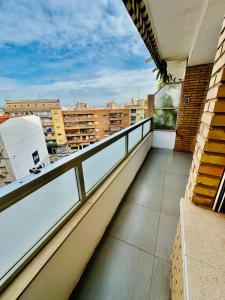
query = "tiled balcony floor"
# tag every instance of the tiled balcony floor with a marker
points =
(132, 261)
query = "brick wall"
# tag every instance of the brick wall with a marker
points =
(193, 95)
(209, 155)
(150, 105)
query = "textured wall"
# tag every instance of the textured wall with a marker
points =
(209, 155)
(176, 275)
(193, 95)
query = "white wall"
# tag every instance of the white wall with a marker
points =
(177, 68)
(164, 139)
(22, 136)
(62, 269)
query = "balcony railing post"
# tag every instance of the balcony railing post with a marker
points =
(80, 182)
(142, 131)
(126, 143)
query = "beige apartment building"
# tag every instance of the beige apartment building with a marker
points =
(49, 110)
(88, 125)
(138, 109)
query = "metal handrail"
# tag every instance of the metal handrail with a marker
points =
(19, 189)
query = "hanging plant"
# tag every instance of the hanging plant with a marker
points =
(162, 76)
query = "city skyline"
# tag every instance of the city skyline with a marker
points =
(72, 51)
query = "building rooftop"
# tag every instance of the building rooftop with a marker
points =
(31, 101)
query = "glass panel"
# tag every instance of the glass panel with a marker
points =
(166, 106)
(134, 137)
(165, 119)
(98, 165)
(147, 127)
(23, 224)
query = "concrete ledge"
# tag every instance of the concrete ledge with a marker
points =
(203, 252)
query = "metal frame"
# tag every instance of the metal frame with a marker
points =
(18, 190)
(220, 195)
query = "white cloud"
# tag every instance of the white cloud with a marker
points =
(107, 84)
(72, 34)
(68, 23)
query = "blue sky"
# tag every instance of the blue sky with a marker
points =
(72, 50)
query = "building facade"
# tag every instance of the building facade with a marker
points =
(86, 126)
(49, 111)
(76, 127)
(138, 109)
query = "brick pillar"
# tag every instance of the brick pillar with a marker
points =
(150, 106)
(193, 94)
(209, 154)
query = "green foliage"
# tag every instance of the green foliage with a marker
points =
(165, 119)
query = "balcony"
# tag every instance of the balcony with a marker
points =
(76, 179)
(112, 118)
(115, 128)
(56, 219)
(86, 118)
(133, 259)
(55, 211)
(79, 126)
(80, 141)
(80, 133)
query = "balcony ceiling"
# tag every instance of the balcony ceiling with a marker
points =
(187, 29)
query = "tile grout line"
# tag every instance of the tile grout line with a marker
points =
(163, 186)
(137, 204)
(150, 287)
(132, 245)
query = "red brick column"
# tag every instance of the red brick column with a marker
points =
(150, 105)
(193, 94)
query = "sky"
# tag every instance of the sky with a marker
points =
(72, 50)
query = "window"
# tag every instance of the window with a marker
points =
(133, 110)
(96, 116)
(105, 115)
(105, 123)
(59, 133)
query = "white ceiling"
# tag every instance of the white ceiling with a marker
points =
(187, 28)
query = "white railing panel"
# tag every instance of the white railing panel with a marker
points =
(23, 224)
(98, 165)
(134, 137)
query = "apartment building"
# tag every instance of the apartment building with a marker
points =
(138, 109)
(49, 111)
(88, 125)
